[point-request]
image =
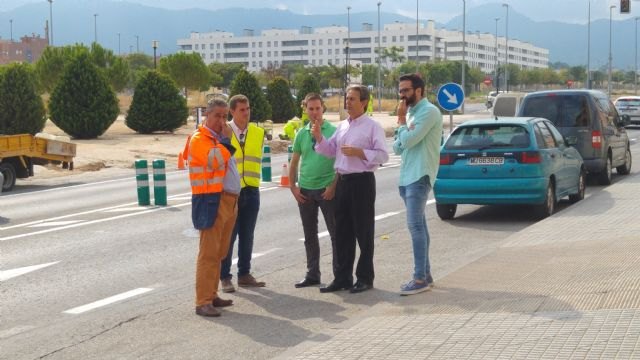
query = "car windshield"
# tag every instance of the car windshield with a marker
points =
(488, 136)
(628, 102)
(562, 111)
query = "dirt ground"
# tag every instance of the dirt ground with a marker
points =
(119, 147)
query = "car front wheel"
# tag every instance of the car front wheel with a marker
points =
(446, 211)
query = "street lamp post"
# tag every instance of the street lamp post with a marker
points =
(635, 72)
(464, 45)
(589, 46)
(11, 30)
(380, 53)
(496, 79)
(95, 28)
(118, 44)
(346, 63)
(610, 57)
(417, 27)
(154, 44)
(137, 44)
(50, 22)
(506, 50)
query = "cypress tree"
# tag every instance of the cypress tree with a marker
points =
(247, 85)
(281, 101)
(21, 107)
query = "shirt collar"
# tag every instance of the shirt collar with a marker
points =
(324, 125)
(355, 121)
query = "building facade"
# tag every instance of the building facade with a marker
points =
(328, 46)
(28, 50)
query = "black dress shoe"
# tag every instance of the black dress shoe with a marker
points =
(359, 287)
(334, 286)
(307, 282)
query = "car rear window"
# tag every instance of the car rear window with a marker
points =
(628, 102)
(488, 136)
(562, 111)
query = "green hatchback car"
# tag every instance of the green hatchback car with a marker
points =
(508, 161)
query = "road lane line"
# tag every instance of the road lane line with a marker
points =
(107, 301)
(92, 222)
(256, 255)
(8, 274)
(15, 331)
(55, 223)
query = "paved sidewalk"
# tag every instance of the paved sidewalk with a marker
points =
(566, 287)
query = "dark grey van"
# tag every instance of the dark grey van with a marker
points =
(589, 118)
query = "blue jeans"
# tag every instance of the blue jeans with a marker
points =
(415, 200)
(248, 206)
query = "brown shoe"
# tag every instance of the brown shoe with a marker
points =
(249, 281)
(207, 310)
(227, 286)
(217, 302)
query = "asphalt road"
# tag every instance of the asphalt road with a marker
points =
(86, 273)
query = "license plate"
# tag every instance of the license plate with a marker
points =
(486, 160)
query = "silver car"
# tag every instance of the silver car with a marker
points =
(629, 105)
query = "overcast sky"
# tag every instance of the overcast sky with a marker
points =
(573, 11)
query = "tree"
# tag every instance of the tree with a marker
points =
(157, 105)
(51, 64)
(393, 54)
(309, 85)
(577, 73)
(247, 85)
(83, 104)
(279, 97)
(21, 107)
(187, 70)
(227, 72)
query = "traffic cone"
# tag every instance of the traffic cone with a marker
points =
(180, 162)
(284, 179)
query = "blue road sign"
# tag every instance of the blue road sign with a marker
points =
(450, 96)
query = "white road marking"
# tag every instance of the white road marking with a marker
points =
(256, 255)
(107, 301)
(8, 274)
(128, 209)
(90, 222)
(15, 331)
(56, 223)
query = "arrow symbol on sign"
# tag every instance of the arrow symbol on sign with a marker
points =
(452, 98)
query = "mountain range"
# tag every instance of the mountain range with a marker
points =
(76, 21)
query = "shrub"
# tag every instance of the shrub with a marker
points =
(157, 105)
(279, 96)
(83, 104)
(21, 108)
(309, 85)
(247, 85)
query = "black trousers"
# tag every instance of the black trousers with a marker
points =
(355, 213)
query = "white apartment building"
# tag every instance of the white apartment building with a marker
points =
(328, 46)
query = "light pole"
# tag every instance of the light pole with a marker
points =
(464, 45)
(635, 72)
(50, 22)
(11, 29)
(589, 46)
(346, 63)
(610, 57)
(137, 44)
(496, 79)
(118, 44)
(417, 26)
(380, 53)
(95, 28)
(506, 50)
(154, 44)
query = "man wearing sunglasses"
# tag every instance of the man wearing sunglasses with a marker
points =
(418, 142)
(314, 188)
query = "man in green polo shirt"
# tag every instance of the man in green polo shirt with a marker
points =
(314, 188)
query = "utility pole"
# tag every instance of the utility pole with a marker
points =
(50, 22)
(506, 51)
(95, 28)
(464, 45)
(380, 53)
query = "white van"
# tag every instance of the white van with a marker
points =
(507, 104)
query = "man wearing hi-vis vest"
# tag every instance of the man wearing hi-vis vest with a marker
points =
(247, 139)
(215, 187)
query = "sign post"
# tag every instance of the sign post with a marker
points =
(450, 98)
